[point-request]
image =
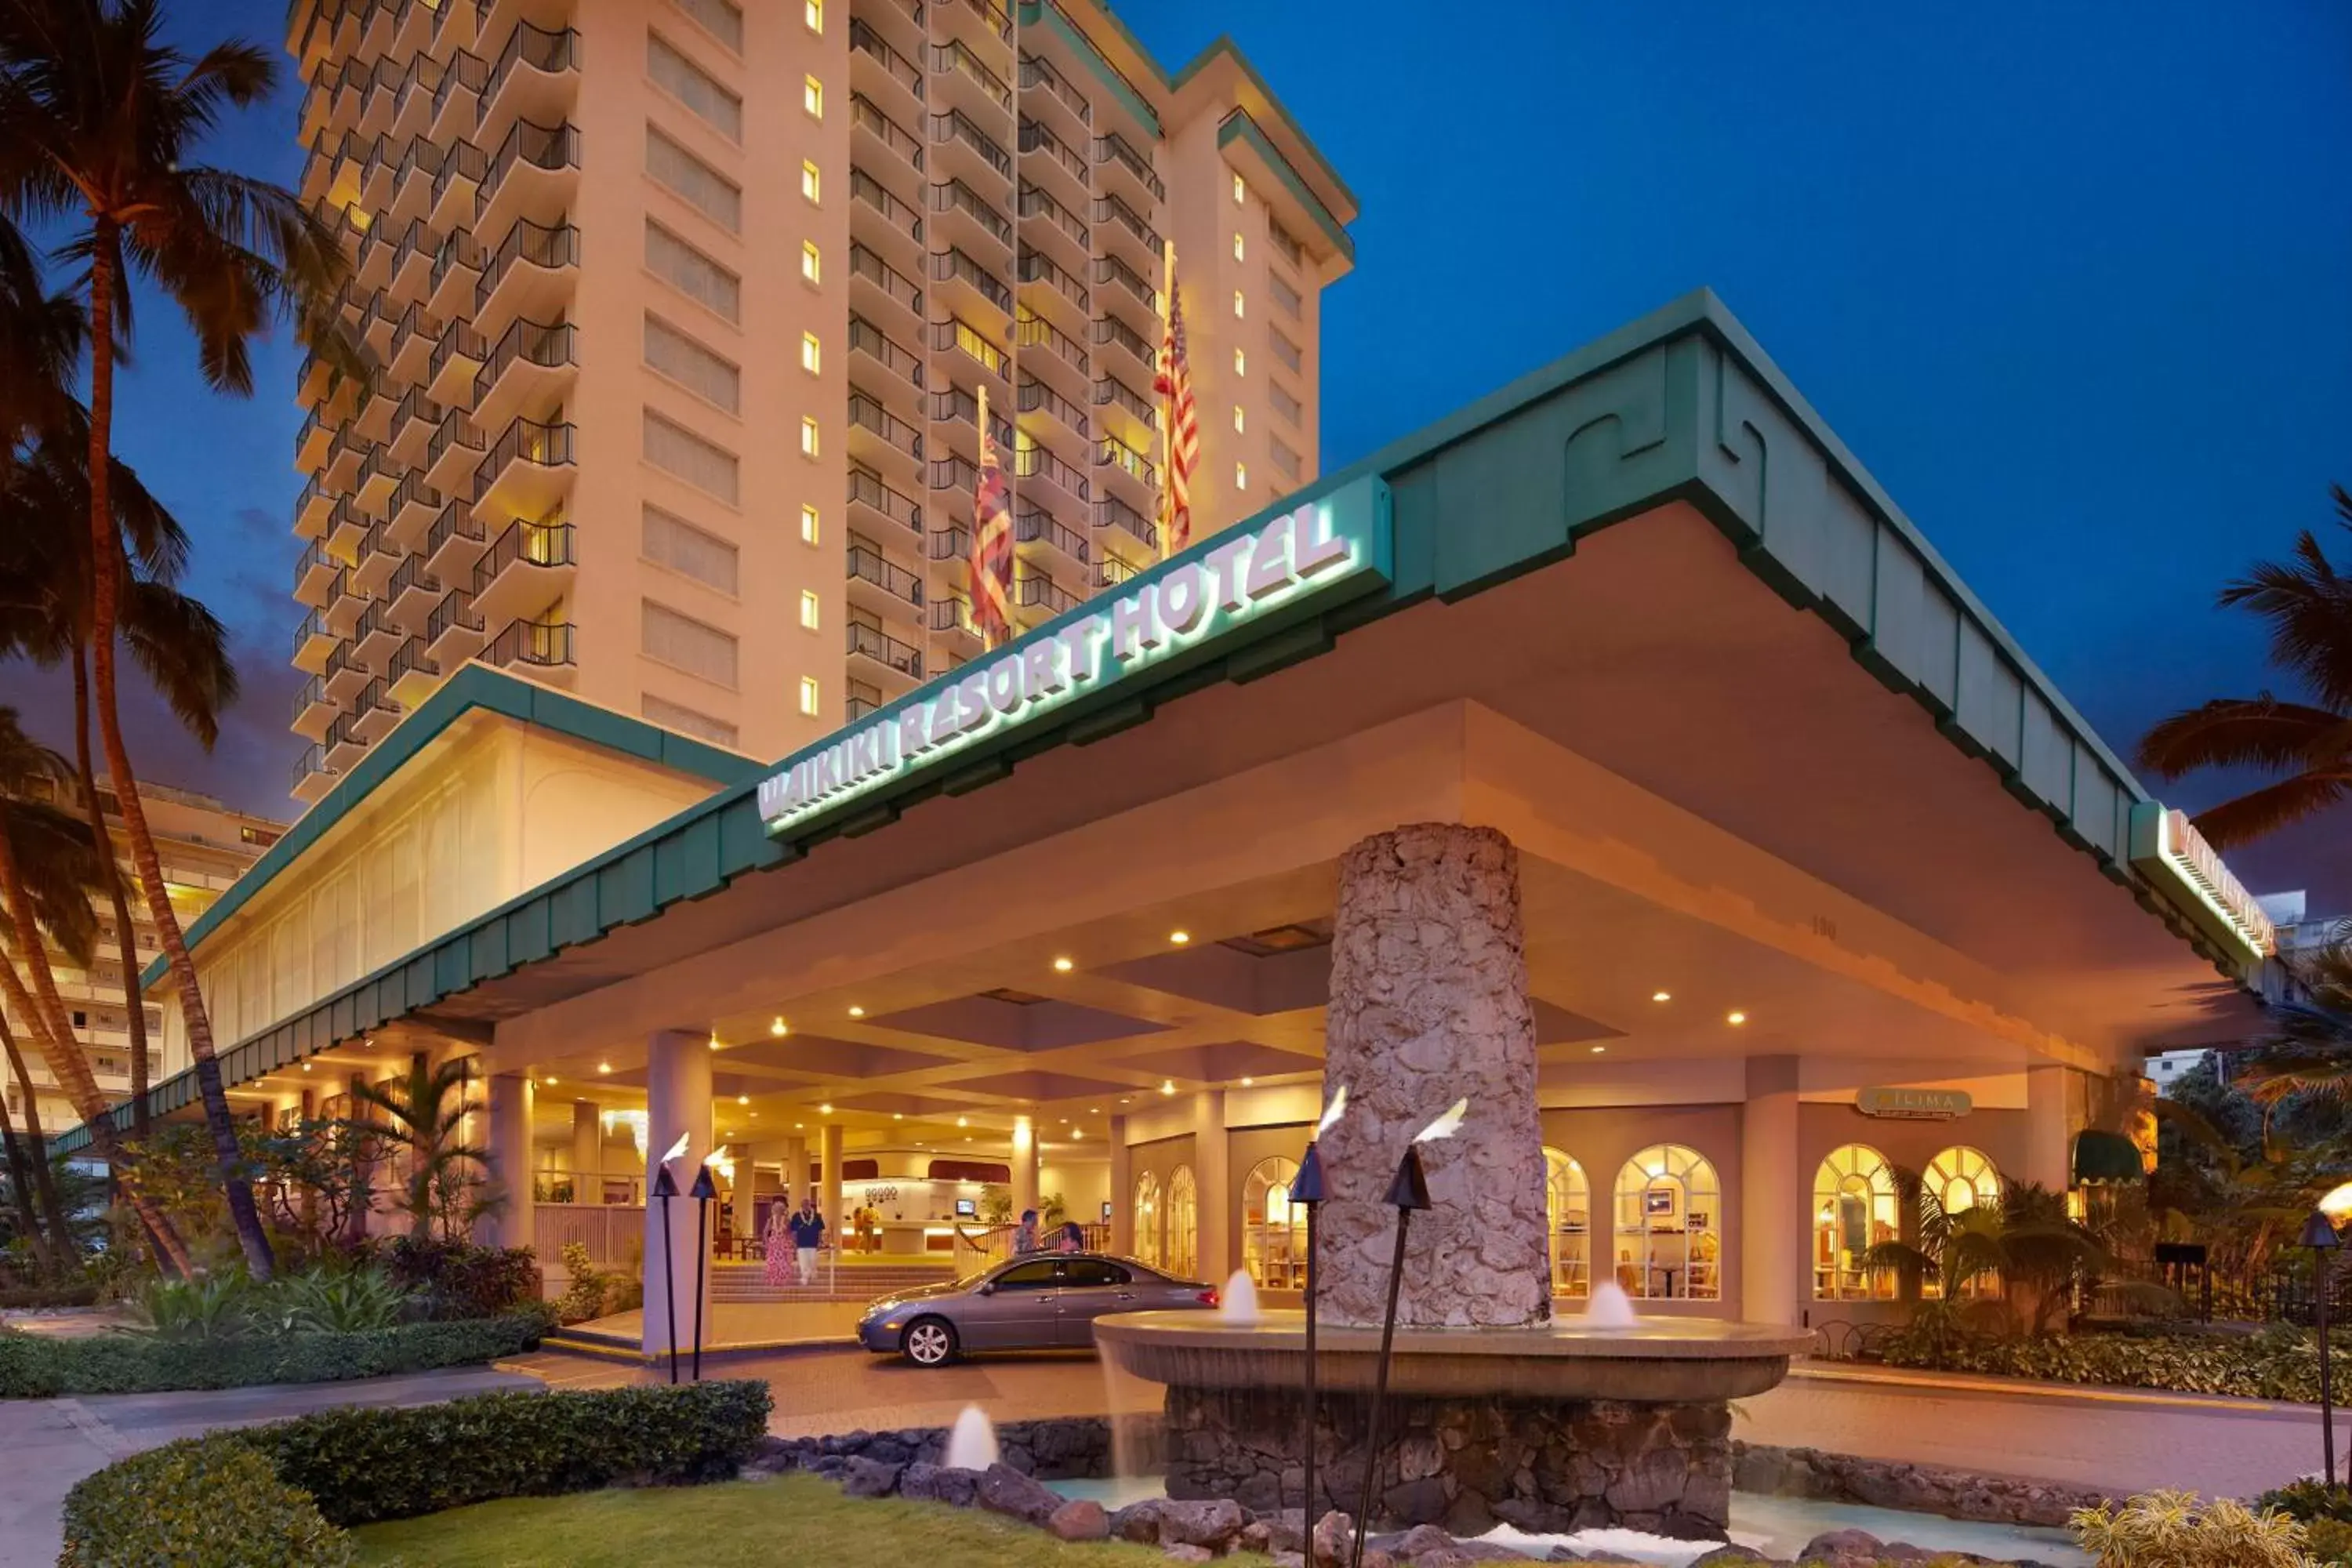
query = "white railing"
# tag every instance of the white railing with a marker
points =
(607, 1231)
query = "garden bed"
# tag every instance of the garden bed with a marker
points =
(36, 1366)
(2281, 1363)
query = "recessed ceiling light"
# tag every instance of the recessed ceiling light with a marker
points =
(1597, 1051)
(857, 1012)
(1167, 1086)
(603, 1067)
(1662, 996)
(967, 1139)
(798, 1125)
(1063, 967)
(897, 1116)
(1179, 936)
(1125, 1097)
(714, 1042)
(1094, 1110)
(825, 1109)
(1076, 1133)
(778, 1029)
(306, 1067)
(742, 1100)
(1734, 1018)
(548, 1081)
(1248, 1082)
(963, 1122)
(755, 1115)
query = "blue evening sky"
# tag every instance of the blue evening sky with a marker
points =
(2075, 282)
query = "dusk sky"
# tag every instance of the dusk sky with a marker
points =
(2075, 282)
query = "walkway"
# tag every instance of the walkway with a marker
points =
(47, 1445)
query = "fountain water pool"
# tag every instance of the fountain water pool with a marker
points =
(1238, 1305)
(972, 1441)
(1610, 1308)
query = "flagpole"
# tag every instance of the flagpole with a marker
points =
(1163, 415)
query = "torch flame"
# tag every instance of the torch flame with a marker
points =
(1445, 1126)
(1338, 1108)
(716, 1156)
(677, 1150)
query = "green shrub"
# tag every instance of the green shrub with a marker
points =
(583, 1298)
(456, 1279)
(347, 1302)
(2277, 1363)
(34, 1367)
(2310, 1498)
(367, 1465)
(2173, 1530)
(200, 1311)
(2329, 1542)
(201, 1502)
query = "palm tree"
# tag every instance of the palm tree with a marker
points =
(99, 120)
(423, 1114)
(33, 1195)
(2307, 602)
(41, 338)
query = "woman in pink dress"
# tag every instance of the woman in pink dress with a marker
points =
(783, 1263)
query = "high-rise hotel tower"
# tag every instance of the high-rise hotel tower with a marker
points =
(682, 310)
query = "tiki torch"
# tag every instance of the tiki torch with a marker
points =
(1408, 1192)
(704, 1191)
(1307, 1188)
(666, 1188)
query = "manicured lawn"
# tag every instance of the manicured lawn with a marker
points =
(737, 1525)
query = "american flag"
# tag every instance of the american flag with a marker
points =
(991, 544)
(1182, 423)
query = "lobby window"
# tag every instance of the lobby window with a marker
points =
(1274, 1229)
(808, 436)
(812, 607)
(1668, 1236)
(808, 696)
(1568, 1209)
(695, 89)
(1241, 251)
(1241, 191)
(1183, 1221)
(1241, 421)
(722, 19)
(812, 13)
(1149, 1249)
(812, 97)
(1958, 1180)
(812, 354)
(1855, 1209)
(811, 265)
(811, 534)
(810, 180)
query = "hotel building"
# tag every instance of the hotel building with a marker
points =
(684, 311)
(204, 846)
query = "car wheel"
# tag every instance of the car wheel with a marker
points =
(928, 1342)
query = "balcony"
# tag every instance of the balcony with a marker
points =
(313, 777)
(881, 72)
(956, 473)
(415, 166)
(455, 451)
(535, 174)
(968, 152)
(892, 226)
(1067, 293)
(1111, 572)
(311, 441)
(1126, 471)
(950, 545)
(965, 216)
(412, 674)
(529, 274)
(978, 21)
(1112, 333)
(534, 79)
(413, 420)
(1055, 156)
(1035, 397)
(1123, 530)
(1037, 597)
(954, 405)
(871, 130)
(452, 633)
(526, 569)
(1125, 288)
(410, 595)
(1125, 228)
(456, 274)
(346, 674)
(310, 510)
(412, 264)
(458, 358)
(1035, 462)
(412, 346)
(875, 653)
(951, 618)
(966, 287)
(1056, 224)
(1047, 545)
(454, 543)
(1123, 163)
(376, 562)
(883, 587)
(1031, 331)
(375, 712)
(542, 648)
(373, 486)
(375, 640)
(1123, 405)
(314, 574)
(978, 350)
(534, 363)
(342, 465)
(343, 746)
(312, 711)
(312, 643)
(858, 699)
(411, 510)
(1054, 91)
(456, 107)
(455, 195)
(959, 77)
(879, 438)
(345, 527)
(866, 338)
(878, 288)
(872, 501)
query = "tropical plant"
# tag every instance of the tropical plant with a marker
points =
(2028, 1242)
(583, 1298)
(199, 1310)
(340, 1301)
(2174, 1530)
(2307, 602)
(100, 123)
(423, 1115)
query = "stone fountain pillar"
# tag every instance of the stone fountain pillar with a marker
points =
(1429, 1005)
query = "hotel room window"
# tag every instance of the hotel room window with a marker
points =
(812, 354)
(810, 180)
(812, 607)
(812, 97)
(808, 436)
(1240, 250)
(808, 696)
(1241, 476)
(812, 12)
(1238, 312)
(1241, 363)
(1240, 421)
(1241, 191)
(811, 532)
(812, 266)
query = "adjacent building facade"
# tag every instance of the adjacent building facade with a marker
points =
(204, 847)
(684, 311)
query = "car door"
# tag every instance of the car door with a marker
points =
(1091, 1287)
(1019, 1310)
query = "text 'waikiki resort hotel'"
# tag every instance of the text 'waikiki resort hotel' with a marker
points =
(726, 729)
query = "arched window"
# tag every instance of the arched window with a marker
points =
(1146, 1220)
(1669, 1219)
(1958, 1180)
(1854, 1208)
(1183, 1224)
(1568, 1202)
(1274, 1229)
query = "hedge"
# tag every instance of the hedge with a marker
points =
(2276, 1364)
(278, 1495)
(40, 1297)
(37, 1367)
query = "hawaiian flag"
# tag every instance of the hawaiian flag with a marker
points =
(1180, 422)
(991, 543)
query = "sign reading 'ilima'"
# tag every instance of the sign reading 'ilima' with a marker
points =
(1914, 1104)
(1212, 590)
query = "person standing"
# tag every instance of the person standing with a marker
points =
(1025, 1238)
(778, 1247)
(807, 1228)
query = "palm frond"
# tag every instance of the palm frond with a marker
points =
(184, 648)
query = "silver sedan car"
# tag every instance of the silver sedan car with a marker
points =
(1041, 1301)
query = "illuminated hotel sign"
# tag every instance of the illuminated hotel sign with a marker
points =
(1243, 578)
(1914, 1104)
(2187, 872)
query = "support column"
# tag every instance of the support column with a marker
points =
(796, 1170)
(2049, 1127)
(1773, 1196)
(829, 1185)
(1122, 1190)
(1429, 1005)
(514, 1223)
(741, 1207)
(1025, 1165)
(587, 1153)
(677, 1100)
(1213, 1186)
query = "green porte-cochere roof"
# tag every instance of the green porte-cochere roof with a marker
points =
(1680, 405)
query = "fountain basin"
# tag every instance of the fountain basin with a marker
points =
(1658, 1361)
